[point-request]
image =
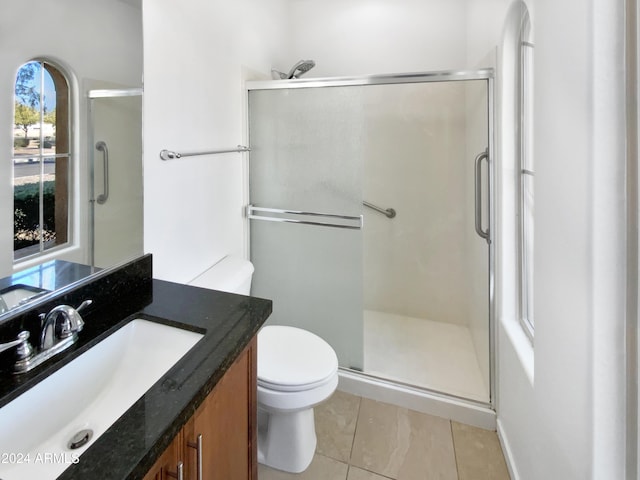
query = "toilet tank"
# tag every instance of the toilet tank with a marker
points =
(231, 274)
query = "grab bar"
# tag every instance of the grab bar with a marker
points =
(252, 209)
(170, 155)
(478, 193)
(388, 212)
(104, 196)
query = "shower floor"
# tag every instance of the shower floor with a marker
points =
(435, 355)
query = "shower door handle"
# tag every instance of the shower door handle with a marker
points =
(104, 196)
(484, 233)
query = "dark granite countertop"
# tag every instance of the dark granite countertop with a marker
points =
(47, 277)
(132, 444)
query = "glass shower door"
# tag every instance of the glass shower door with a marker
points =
(426, 270)
(117, 206)
(306, 157)
(406, 297)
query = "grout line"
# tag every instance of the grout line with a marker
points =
(355, 430)
(376, 473)
(353, 443)
(455, 451)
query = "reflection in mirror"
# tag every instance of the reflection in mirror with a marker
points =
(116, 215)
(40, 159)
(94, 45)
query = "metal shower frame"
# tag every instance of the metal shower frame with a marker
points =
(486, 74)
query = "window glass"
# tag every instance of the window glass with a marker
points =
(40, 159)
(526, 176)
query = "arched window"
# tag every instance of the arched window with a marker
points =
(526, 170)
(41, 152)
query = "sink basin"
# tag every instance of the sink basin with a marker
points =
(13, 296)
(89, 393)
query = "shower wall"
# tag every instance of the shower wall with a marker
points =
(428, 262)
(416, 264)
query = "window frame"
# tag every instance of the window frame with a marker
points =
(525, 176)
(64, 192)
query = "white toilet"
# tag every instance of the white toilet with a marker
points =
(297, 370)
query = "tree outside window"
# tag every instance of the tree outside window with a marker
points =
(40, 159)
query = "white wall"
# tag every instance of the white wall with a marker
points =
(197, 55)
(64, 31)
(362, 37)
(561, 402)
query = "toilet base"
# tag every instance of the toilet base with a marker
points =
(286, 440)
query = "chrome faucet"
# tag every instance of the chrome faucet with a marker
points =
(54, 331)
(60, 329)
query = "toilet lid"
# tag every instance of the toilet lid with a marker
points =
(292, 359)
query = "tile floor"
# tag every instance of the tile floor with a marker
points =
(441, 355)
(361, 439)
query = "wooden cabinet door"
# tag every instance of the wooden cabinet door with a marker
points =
(167, 463)
(228, 425)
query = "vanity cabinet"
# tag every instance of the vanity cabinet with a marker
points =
(221, 436)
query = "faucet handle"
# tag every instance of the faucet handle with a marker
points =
(84, 305)
(24, 350)
(71, 322)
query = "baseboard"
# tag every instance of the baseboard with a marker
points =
(418, 400)
(506, 450)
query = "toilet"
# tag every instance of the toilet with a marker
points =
(297, 370)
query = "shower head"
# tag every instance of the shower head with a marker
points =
(300, 68)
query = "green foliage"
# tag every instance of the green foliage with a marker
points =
(25, 85)
(26, 216)
(25, 116)
(50, 117)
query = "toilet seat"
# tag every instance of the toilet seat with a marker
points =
(293, 360)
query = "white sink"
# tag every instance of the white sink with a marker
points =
(12, 297)
(91, 392)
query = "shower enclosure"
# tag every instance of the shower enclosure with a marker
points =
(115, 147)
(370, 208)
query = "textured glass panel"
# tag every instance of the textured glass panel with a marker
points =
(306, 155)
(118, 221)
(406, 298)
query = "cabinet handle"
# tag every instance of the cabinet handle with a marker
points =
(198, 446)
(179, 474)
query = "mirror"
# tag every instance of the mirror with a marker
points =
(97, 46)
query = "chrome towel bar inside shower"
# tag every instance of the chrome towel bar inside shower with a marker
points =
(346, 221)
(170, 155)
(388, 212)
